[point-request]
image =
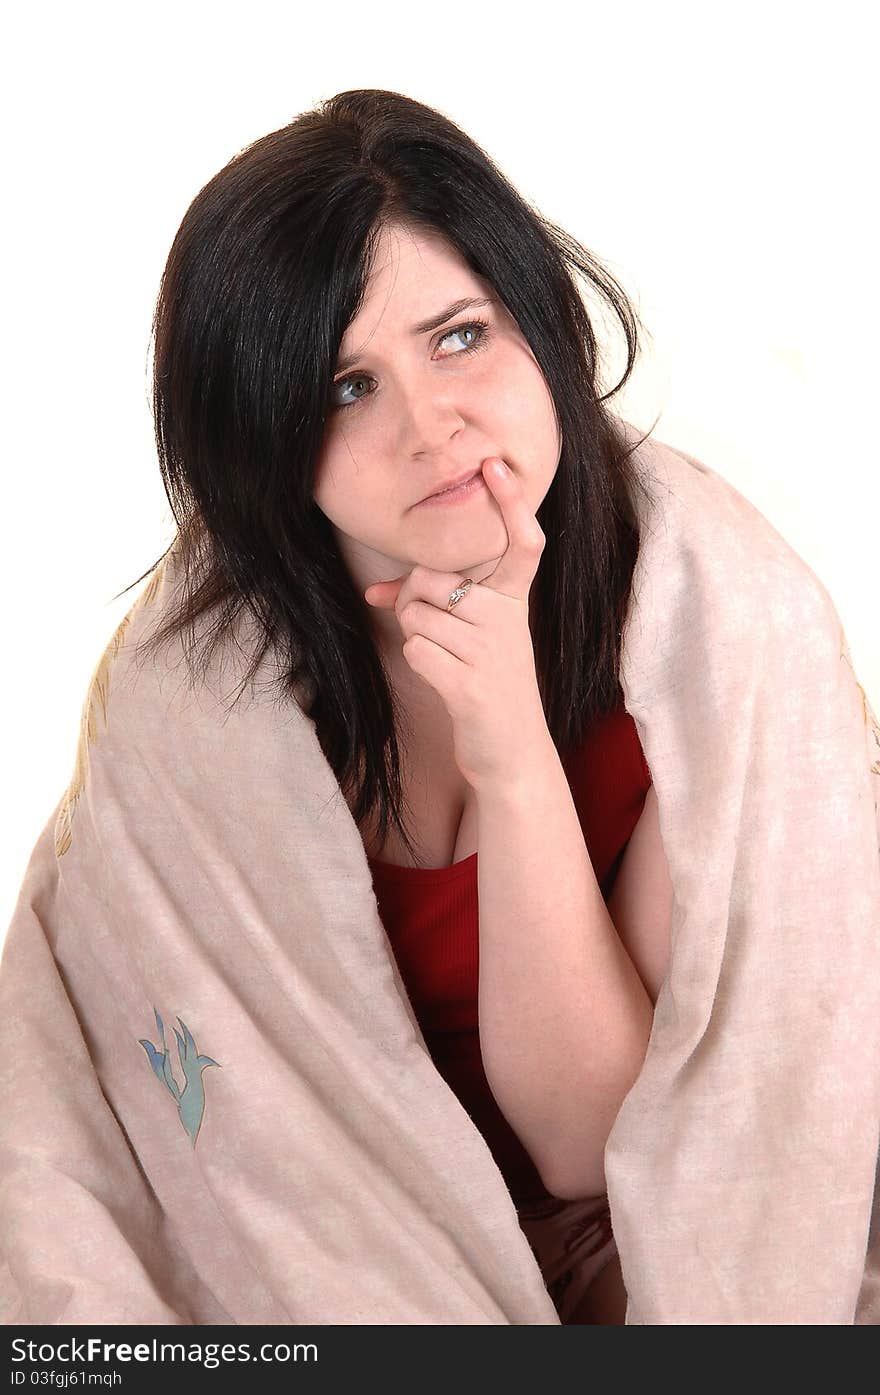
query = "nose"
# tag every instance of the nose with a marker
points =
(430, 415)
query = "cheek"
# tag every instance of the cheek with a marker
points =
(525, 409)
(334, 470)
(330, 487)
(321, 486)
(346, 491)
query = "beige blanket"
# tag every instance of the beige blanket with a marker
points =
(217, 1105)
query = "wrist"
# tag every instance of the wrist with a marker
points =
(532, 761)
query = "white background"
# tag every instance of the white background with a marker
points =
(719, 160)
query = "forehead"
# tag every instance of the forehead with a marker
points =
(413, 274)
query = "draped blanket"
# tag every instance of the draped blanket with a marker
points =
(217, 1105)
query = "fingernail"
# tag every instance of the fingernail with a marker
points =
(500, 469)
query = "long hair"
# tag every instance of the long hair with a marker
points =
(268, 268)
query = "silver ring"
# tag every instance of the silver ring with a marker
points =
(459, 591)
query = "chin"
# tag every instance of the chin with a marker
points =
(453, 563)
(460, 554)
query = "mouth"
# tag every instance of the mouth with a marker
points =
(471, 485)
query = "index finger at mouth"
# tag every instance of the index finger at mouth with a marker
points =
(515, 506)
(526, 538)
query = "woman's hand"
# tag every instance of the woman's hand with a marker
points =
(479, 656)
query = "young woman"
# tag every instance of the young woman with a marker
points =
(359, 318)
(443, 993)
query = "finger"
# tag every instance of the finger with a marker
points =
(436, 588)
(422, 583)
(383, 594)
(525, 539)
(442, 670)
(444, 629)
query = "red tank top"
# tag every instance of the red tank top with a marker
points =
(431, 918)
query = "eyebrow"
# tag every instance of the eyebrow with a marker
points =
(425, 326)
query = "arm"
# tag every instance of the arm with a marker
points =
(564, 1016)
(640, 902)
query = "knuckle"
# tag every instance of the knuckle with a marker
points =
(469, 701)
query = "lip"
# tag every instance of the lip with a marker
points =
(465, 489)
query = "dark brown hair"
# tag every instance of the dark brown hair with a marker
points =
(267, 270)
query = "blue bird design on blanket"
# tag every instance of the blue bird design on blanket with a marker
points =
(191, 1099)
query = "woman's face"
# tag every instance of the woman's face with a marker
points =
(416, 407)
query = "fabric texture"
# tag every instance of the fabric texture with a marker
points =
(572, 1242)
(218, 1106)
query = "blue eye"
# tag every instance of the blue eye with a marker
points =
(479, 328)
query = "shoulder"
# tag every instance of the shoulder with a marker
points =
(709, 559)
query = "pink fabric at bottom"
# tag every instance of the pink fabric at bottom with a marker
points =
(572, 1242)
